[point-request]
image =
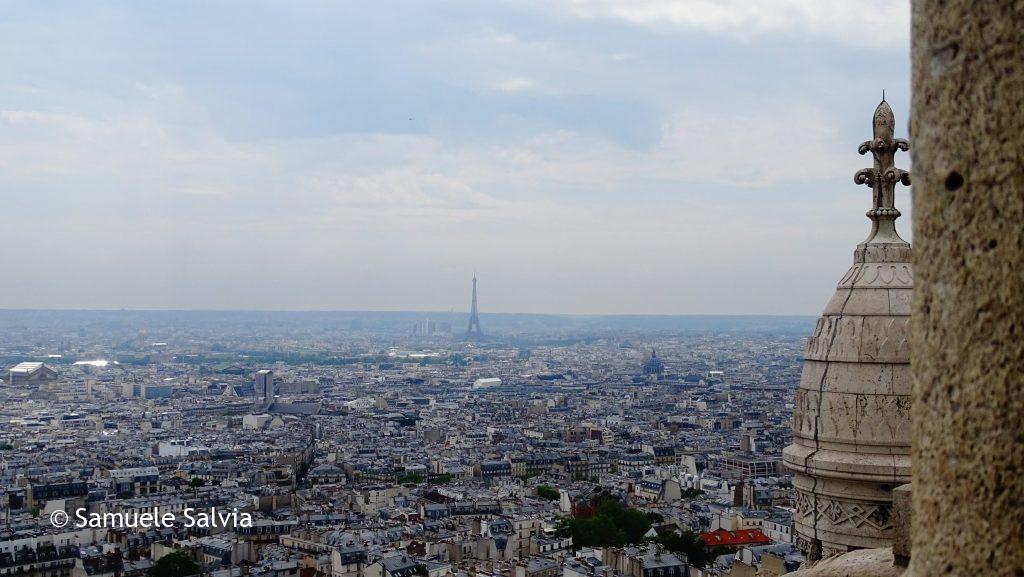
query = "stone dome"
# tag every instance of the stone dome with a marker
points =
(851, 423)
(653, 365)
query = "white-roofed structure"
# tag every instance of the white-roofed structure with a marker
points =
(487, 383)
(31, 373)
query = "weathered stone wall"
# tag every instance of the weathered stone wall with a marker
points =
(860, 563)
(967, 130)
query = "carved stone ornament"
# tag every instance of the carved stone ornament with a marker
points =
(851, 422)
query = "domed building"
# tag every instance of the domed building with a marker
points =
(851, 423)
(653, 367)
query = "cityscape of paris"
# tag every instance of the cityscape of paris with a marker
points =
(522, 288)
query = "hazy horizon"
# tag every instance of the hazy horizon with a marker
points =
(395, 311)
(623, 157)
(498, 325)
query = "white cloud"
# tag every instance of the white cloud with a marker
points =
(722, 146)
(870, 23)
(647, 163)
(514, 85)
(415, 175)
(387, 207)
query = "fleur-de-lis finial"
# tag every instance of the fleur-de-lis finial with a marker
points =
(882, 178)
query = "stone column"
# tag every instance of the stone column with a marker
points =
(967, 356)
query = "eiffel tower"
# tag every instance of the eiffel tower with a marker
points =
(474, 332)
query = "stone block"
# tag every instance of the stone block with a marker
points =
(901, 513)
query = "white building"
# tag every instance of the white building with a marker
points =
(487, 383)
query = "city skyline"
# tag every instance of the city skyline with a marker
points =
(604, 158)
(524, 288)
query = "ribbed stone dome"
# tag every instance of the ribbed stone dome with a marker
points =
(851, 423)
(653, 365)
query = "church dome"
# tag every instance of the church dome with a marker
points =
(851, 423)
(653, 365)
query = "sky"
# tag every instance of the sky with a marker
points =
(582, 157)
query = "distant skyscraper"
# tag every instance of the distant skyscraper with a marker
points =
(474, 332)
(265, 385)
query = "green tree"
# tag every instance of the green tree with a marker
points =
(413, 478)
(602, 530)
(612, 526)
(547, 493)
(196, 482)
(632, 522)
(690, 544)
(177, 564)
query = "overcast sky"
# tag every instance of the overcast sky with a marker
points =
(614, 156)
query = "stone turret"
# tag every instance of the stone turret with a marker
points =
(851, 425)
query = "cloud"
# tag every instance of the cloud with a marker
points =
(724, 146)
(514, 85)
(142, 156)
(872, 23)
(655, 156)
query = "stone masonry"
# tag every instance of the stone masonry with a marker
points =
(851, 424)
(968, 316)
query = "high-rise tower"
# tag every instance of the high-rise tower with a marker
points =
(264, 386)
(474, 332)
(851, 424)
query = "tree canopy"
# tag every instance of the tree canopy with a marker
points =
(177, 564)
(612, 526)
(690, 544)
(545, 492)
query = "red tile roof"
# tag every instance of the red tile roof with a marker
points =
(734, 538)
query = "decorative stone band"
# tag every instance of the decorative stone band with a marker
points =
(843, 514)
(878, 275)
(838, 513)
(878, 252)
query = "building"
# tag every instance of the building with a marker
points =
(31, 374)
(135, 481)
(348, 562)
(653, 367)
(494, 469)
(649, 562)
(734, 467)
(851, 423)
(264, 386)
(396, 566)
(740, 538)
(38, 556)
(148, 391)
(487, 383)
(38, 493)
(537, 567)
